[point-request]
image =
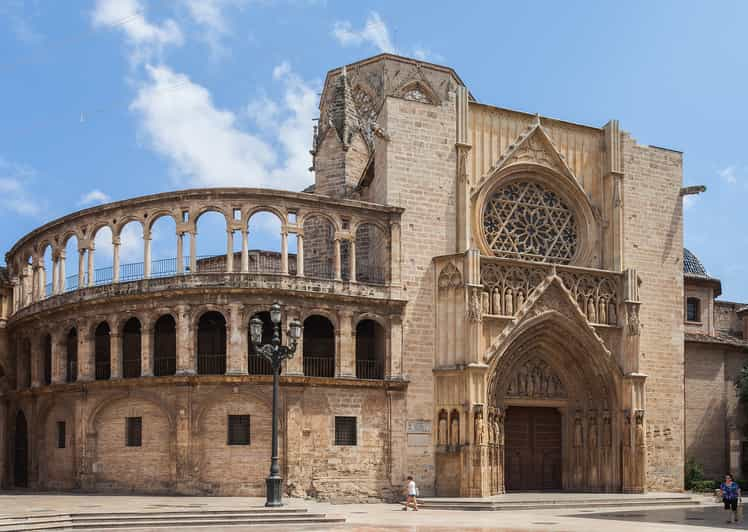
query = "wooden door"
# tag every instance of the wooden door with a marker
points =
(533, 448)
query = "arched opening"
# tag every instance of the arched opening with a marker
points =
(370, 350)
(211, 344)
(164, 247)
(131, 349)
(47, 360)
(265, 243)
(165, 346)
(24, 368)
(71, 364)
(131, 252)
(319, 347)
(210, 243)
(21, 452)
(102, 352)
(371, 254)
(103, 256)
(69, 271)
(319, 248)
(47, 288)
(259, 365)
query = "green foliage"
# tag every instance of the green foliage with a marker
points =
(741, 384)
(694, 473)
(704, 486)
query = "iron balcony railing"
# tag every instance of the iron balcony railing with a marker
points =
(259, 365)
(163, 366)
(103, 371)
(319, 366)
(369, 369)
(131, 368)
(211, 363)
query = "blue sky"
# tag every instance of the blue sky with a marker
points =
(94, 95)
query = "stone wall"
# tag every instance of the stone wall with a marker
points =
(653, 245)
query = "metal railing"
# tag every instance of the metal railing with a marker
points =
(211, 363)
(319, 366)
(369, 369)
(166, 365)
(131, 368)
(319, 270)
(370, 274)
(259, 365)
(103, 370)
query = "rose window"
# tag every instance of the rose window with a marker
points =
(524, 220)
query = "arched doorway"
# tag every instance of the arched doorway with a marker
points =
(370, 350)
(21, 452)
(319, 347)
(211, 344)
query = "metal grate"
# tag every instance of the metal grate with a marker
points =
(60, 434)
(134, 431)
(238, 433)
(345, 430)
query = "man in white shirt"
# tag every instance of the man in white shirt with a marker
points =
(412, 492)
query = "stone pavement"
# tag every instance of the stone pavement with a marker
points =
(389, 517)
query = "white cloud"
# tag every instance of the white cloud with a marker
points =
(729, 174)
(14, 196)
(144, 37)
(94, 196)
(374, 32)
(210, 15)
(206, 146)
(689, 201)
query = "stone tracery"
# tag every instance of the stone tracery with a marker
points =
(524, 220)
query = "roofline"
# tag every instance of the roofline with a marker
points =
(704, 281)
(533, 115)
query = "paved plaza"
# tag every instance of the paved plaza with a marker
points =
(389, 517)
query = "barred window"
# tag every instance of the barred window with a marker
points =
(345, 430)
(238, 430)
(692, 309)
(524, 220)
(60, 434)
(134, 431)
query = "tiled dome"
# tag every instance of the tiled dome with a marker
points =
(692, 265)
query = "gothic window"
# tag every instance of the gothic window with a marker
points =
(525, 220)
(417, 95)
(367, 112)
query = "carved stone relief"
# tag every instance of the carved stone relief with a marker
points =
(535, 379)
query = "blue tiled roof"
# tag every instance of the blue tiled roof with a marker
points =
(692, 265)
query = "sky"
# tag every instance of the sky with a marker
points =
(111, 99)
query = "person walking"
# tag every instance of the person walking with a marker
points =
(730, 491)
(411, 491)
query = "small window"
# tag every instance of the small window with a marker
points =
(60, 434)
(134, 429)
(692, 309)
(185, 216)
(238, 430)
(345, 430)
(237, 214)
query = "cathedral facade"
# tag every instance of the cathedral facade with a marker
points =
(491, 301)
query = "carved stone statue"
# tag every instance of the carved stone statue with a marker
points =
(454, 430)
(607, 434)
(591, 314)
(612, 316)
(639, 428)
(602, 315)
(479, 436)
(485, 303)
(442, 438)
(496, 303)
(627, 429)
(535, 379)
(592, 429)
(474, 306)
(509, 302)
(520, 300)
(578, 430)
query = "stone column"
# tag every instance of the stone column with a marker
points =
(61, 275)
(193, 251)
(34, 283)
(81, 270)
(91, 270)
(115, 352)
(295, 366)
(58, 358)
(299, 255)
(42, 279)
(338, 272)
(229, 250)
(245, 251)
(146, 347)
(116, 241)
(16, 294)
(35, 359)
(394, 362)
(146, 254)
(85, 353)
(55, 274)
(284, 252)
(180, 253)
(395, 253)
(352, 260)
(346, 355)
(237, 343)
(186, 362)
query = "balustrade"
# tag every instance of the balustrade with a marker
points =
(319, 366)
(369, 369)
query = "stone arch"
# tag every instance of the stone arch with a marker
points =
(207, 402)
(281, 215)
(314, 214)
(427, 94)
(142, 395)
(570, 191)
(210, 208)
(157, 215)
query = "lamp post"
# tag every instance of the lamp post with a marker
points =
(275, 353)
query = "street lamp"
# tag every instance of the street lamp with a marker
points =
(275, 353)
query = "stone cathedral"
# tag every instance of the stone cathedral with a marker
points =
(491, 301)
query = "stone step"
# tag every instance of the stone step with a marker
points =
(288, 517)
(561, 503)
